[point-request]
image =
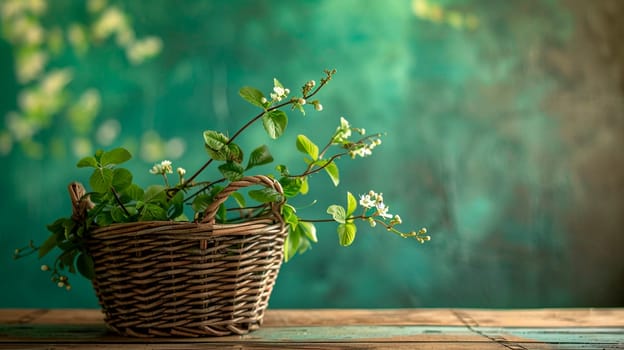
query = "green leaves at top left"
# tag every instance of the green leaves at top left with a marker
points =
(105, 159)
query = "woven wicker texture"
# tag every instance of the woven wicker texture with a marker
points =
(189, 279)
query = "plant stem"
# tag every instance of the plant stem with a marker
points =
(254, 119)
(309, 170)
(118, 200)
(206, 186)
(363, 217)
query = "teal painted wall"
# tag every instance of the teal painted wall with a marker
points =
(504, 124)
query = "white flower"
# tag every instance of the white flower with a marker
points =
(379, 198)
(279, 91)
(382, 210)
(344, 124)
(166, 167)
(366, 201)
(156, 169)
(181, 171)
(163, 168)
(364, 152)
(343, 132)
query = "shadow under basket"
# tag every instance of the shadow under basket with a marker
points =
(163, 278)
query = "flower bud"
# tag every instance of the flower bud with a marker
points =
(45, 267)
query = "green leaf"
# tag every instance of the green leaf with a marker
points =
(234, 153)
(332, 170)
(85, 266)
(308, 147)
(351, 204)
(48, 245)
(275, 123)
(122, 179)
(98, 155)
(252, 95)
(201, 202)
(115, 156)
(176, 205)
(259, 156)
(239, 198)
(231, 171)
(338, 213)
(87, 162)
(291, 185)
(222, 214)
(153, 212)
(68, 258)
(291, 244)
(215, 143)
(57, 225)
(133, 192)
(104, 218)
(282, 169)
(117, 214)
(266, 195)
(101, 180)
(155, 194)
(346, 233)
(290, 216)
(309, 230)
(304, 186)
(68, 228)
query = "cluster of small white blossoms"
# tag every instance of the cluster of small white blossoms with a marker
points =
(362, 149)
(165, 167)
(373, 200)
(279, 93)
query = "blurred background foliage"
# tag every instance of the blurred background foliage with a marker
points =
(504, 124)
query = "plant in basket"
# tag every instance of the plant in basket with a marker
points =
(196, 257)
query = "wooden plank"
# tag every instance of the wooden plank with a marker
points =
(346, 317)
(587, 317)
(333, 329)
(320, 317)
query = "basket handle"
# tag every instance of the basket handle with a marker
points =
(211, 211)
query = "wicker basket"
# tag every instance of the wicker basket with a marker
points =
(189, 279)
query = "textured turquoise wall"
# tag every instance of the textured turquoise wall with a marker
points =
(503, 121)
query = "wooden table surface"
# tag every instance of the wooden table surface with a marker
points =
(339, 329)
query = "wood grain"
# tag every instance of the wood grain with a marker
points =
(340, 329)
